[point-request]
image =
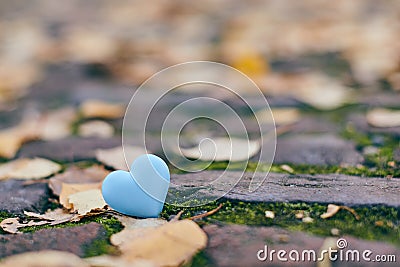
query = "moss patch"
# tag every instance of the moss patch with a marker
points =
(103, 245)
(99, 246)
(376, 223)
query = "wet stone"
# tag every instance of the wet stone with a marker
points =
(16, 196)
(72, 239)
(316, 149)
(330, 188)
(238, 245)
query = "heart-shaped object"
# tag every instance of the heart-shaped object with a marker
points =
(140, 192)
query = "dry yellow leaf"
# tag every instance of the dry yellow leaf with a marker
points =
(56, 216)
(114, 157)
(57, 124)
(86, 201)
(89, 46)
(269, 214)
(329, 243)
(134, 228)
(281, 116)
(28, 169)
(223, 149)
(69, 189)
(383, 117)
(169, 245)
(332, 210)
(47, 126)
(102, 109)
(48, 258)
(315, 89)
(96, 128)
(75, 175)
(113, 261)
(251, 64)
(12, 138)
(11, 225)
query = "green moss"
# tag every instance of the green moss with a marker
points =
(101, 245)
(254, 214)
(200, 259)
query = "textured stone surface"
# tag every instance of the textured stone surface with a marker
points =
(331, 188)
(16, 196)
(318, 149)
(72, 239)
(359, 121)
(69, 149)
(237, 245)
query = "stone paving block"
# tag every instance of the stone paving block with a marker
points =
(69, 149)
(15, 196)
(359, 121)
(237, 245)
(329, 188)
(316, 149)
(71, 239)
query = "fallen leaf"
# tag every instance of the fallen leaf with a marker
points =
(101, 109)
(114, 261)
(11, 225)
(57, 124)
(55, 217)
(299, 214)
(223, 149)
(332, 210)
(281, 116)
(96, 128)
(69, 189)
(383, 117)
(251, 64)
(28, 169)
(12, 138)
(269, 214)
(87, 201)
(313, 88)
(329, 243)
(307, 220)
(131, 224)
(286, 168)
(169, 245)
(335, 232)
(115, 157)
(89, 46)
(47, 126)
(75, 175)
(48, 258)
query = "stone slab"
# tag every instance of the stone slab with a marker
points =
(71, 239)
(238, 245)
(329, 188)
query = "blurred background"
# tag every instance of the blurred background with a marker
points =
(332, 61)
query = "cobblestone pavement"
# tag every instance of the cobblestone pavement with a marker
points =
(327, 154)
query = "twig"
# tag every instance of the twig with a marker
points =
(208, 213)
(177, 216)
(351, 211)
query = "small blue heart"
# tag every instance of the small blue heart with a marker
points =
(140, 192)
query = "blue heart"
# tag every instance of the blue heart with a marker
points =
(140, 192)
